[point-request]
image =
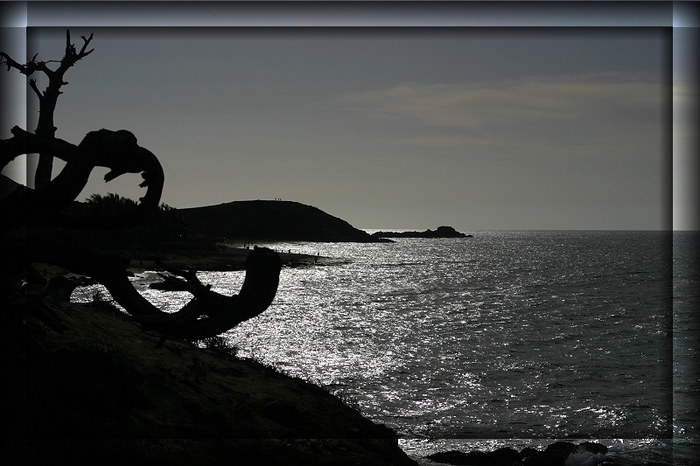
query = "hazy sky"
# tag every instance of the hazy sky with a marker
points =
(479, 128)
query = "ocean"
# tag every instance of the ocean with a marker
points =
(503, 339)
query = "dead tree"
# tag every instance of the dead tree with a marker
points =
(48, 98)
(28, 211)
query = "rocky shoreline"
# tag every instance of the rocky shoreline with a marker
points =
(556, 454)
(94, 387)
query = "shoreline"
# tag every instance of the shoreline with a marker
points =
(102, 391)
(219, 257)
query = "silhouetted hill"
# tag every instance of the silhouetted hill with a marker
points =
(270, 221)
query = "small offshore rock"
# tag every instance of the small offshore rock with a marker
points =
(560, 449)
(441, 232)
(528, 452)
(505, 456)
(449, 457)
(501, 457)
(593, 447)
(554, 455)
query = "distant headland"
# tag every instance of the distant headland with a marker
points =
(440, 232)
(278, 220)
(264, 220)
(271, 220)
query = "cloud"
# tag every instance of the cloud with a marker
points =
(561, 108)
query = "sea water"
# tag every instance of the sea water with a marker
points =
(501, 339)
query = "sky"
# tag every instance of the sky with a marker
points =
(477, 128)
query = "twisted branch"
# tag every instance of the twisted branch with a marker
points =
(208, 313)
(117, 150)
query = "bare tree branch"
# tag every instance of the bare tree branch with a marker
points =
(24, 142)
(191, 282)
(208, 313)
(27, 69)
(86, 41)
(5, 59)
(71, 55)
(117, 150)
(49, 97)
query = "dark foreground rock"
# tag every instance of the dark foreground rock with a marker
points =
(440, 232)
(555, 454)
(101, 392)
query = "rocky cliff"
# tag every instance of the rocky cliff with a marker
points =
(269, 221)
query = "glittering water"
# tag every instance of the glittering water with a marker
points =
(506, 335)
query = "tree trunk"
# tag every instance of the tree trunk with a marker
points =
(45, 128)
(49, 98)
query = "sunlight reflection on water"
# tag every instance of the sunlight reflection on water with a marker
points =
(502, 335)
(420, 331)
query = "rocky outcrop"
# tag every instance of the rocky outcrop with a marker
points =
(270, 221)
(99, 391)
(556, 454)
(440, 232)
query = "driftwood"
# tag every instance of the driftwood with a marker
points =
(26, 213)
(206, 315)
(117, 150)
(210, 313)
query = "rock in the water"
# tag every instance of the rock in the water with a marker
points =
(449, 457)
(593, 447)
(562, 449)
(528, 452)
(507, 456)
(555, 454)
(440, 232)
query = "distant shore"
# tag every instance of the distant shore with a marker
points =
(265, 220)
(212, 256)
